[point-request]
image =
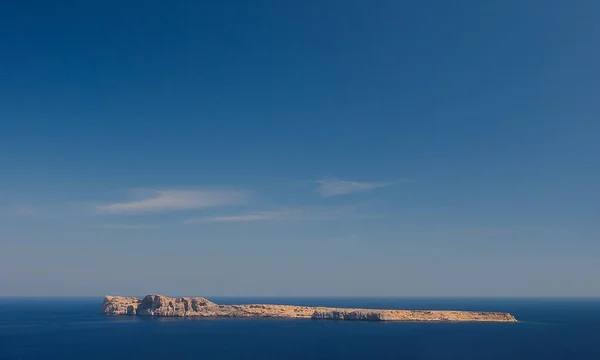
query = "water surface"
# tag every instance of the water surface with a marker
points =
(73, 328)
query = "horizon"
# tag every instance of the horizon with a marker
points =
(371, 297)
(401, 149)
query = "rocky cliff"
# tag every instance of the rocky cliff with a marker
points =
(158, 305)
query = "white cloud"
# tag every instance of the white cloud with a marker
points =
(303, 214)
(173, 200)
(25, 210)
(248, 217)
(127, 226)
(335, 187)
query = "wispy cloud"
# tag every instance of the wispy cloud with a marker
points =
(305, 214)
(334, 187)
(248, 217)
(24, 210)
(174, 200)
(127, 226)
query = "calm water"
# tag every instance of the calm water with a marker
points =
(74, 329)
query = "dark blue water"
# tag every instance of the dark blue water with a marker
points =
(74, 329)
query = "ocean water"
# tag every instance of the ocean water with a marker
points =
(36, 328)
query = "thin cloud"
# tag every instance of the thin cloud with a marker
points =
(306, 214)
(334, 187)
(25, 210)
(174, 200)
(127, 226)
(248, 217)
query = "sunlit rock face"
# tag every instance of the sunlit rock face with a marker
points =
(163, 306)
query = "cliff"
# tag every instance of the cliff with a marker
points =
(158, 305)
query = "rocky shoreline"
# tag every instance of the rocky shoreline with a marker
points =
(163, 306)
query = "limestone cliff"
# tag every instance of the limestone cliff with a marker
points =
(158, 305)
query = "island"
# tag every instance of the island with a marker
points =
(198, 307)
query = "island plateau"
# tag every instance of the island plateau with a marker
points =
(198, 307)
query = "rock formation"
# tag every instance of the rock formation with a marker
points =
(158, 305)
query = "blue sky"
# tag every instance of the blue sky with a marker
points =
(340, 148)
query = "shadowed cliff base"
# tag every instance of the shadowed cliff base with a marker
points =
(162, 306)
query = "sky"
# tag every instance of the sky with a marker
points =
(306, 148)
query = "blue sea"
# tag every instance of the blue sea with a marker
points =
(73, 328)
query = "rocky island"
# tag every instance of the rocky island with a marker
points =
(162, 306)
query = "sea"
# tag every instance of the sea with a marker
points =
(73, 328)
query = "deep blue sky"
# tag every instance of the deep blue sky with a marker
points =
(401, 148)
